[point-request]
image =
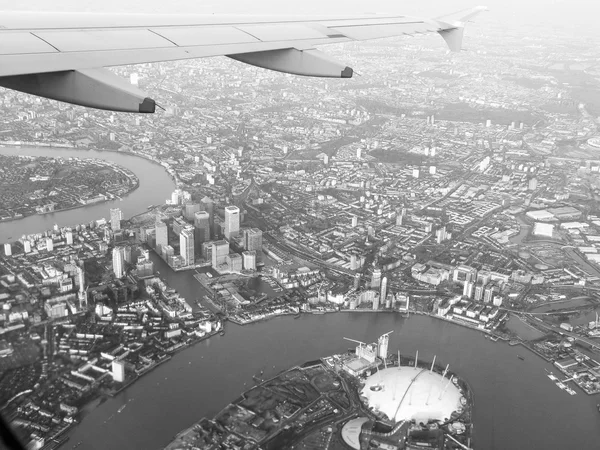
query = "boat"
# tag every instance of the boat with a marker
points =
(520, 357)
(570, 391)
(561, 385)
(552, 377)
(222, 332)
(121, 408)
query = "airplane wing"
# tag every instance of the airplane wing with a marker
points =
(62, 56)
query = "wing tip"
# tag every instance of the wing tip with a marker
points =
(148, 106)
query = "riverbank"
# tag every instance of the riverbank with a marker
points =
(106, 197)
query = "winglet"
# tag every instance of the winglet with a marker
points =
(453, 26)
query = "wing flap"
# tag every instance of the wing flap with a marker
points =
(102, 40)
(15, 43)
(192, 36)
(363, 33)
(281, 32)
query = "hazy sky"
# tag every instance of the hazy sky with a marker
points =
(525, 8)
(572, 14)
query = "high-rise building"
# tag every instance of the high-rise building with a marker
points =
(249, 260)
(118, 371)
(202, 227)
(383, 291)
(189, 210)
(27, 246)
(8, 249)
(376, 279)
(49, 244)
(186, 246)
(118, 260)
(81, 278)
(479, 289)
(208, 205)
(253, 242)
(469, 289)
(354, 221)
(220, 250)
(234, 262)
(69, 237)
(232, 221)
(162, 235)
(115, 219)
(206, 250)
(376, 300)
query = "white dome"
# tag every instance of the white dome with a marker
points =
(407, 393)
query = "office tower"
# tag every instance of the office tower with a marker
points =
(115, 219)
(186, 246)
(382, 346)
(118, 259)
(234, 262)
(489, 291)
(354, 221)
(118, 371)
(249, 260)
(353, 262)
(358, 153)
(220, 250)
(190, 209)
(432, 170)
(202, 226)
(27, 246)
(162, 235)
(7, 249)
(232, 221)
(415, 173)
(208, 205)
(69, 236)
(49, 244)
(383, 291)
(254, 242)
(206, 250)
(376, 279)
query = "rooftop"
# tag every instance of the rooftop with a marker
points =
(407, 393)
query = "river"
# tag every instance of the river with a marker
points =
(516, 405)
(155, 187)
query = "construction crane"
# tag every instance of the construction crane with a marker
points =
(354, 340)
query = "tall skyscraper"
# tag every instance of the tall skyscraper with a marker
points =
(202, 226)
(383, 291)
(69, 237)
(186, 246)
(232, 221)
(190, 209)
(253, 242)
(376, 279)
(162, 235)
(208, 205)
(115, 219)
(27, 246)
(49, 244)
(220, 250)
(118, 259)
(7, 249)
